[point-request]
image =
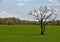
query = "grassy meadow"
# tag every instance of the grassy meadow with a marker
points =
(28, 33)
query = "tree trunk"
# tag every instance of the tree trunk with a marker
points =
(42, 30)
(42, 27)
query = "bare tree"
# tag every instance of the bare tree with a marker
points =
(44, 14)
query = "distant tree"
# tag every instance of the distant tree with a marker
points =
(58, 22)
(43, 14)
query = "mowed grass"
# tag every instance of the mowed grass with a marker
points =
(28, 33)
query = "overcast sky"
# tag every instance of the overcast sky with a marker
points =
(20, 8)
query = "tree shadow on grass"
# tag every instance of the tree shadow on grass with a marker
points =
(37, 35)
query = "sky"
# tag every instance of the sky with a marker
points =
(20, 8)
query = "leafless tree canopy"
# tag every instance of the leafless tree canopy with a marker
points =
(44, 14)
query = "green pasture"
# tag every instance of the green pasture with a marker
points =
(28, 33)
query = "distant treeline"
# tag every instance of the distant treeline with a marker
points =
(17, 21)
(57, 22)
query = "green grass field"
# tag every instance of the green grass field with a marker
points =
(28, 33)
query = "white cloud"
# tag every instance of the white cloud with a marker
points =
(7, 14)
(19, 0)
(20, 4)
(53, 0)
(28, 0)
(25, 0)
(3, 12)
(57, 4)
